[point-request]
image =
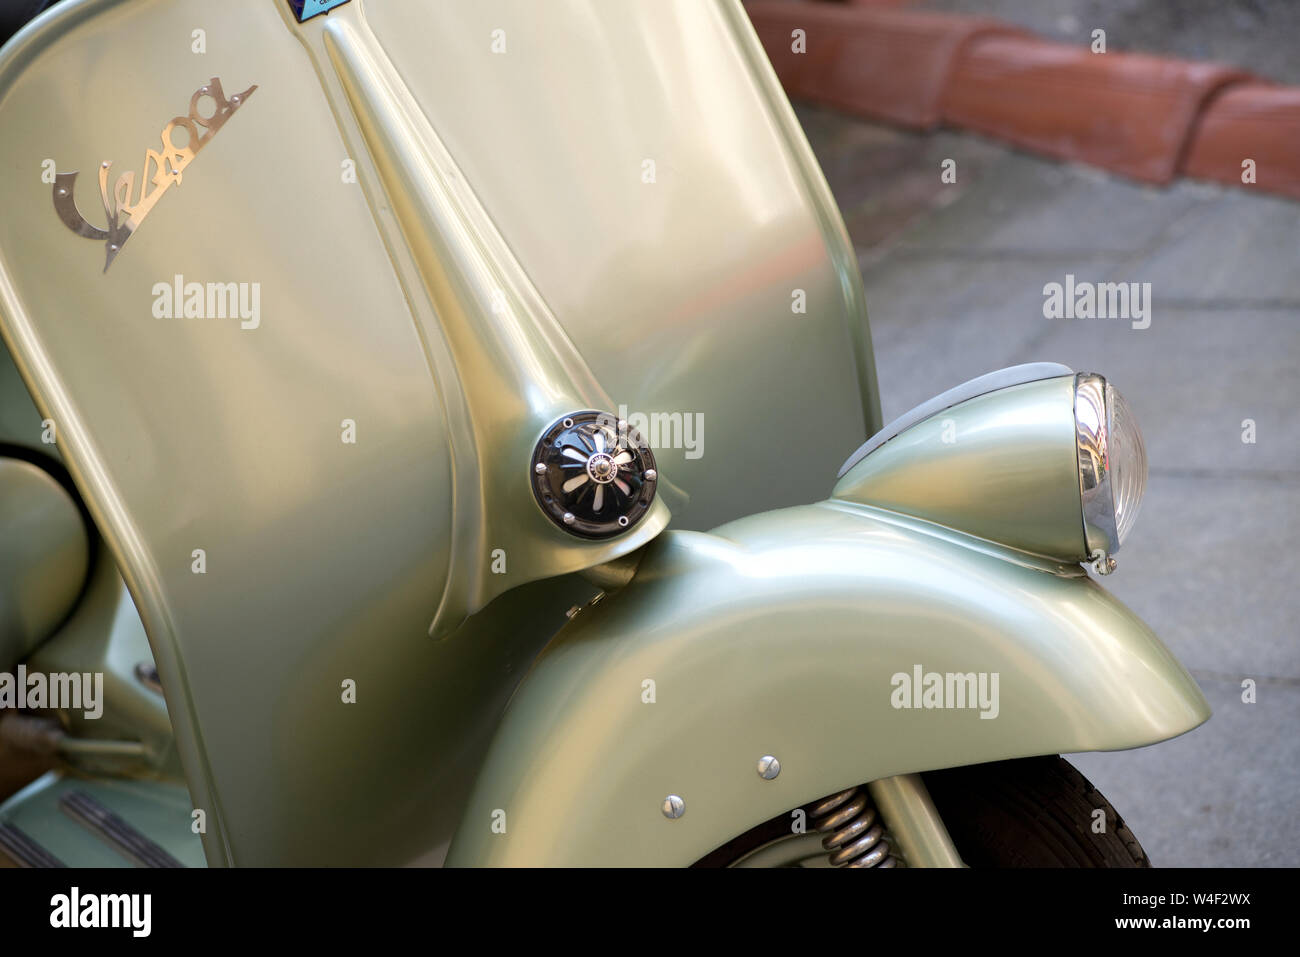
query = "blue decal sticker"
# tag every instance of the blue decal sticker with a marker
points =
(306, 9)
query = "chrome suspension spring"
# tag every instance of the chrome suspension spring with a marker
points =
(855, 836)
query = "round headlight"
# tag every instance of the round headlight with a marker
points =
(1112, 464)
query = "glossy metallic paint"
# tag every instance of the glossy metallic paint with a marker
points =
(328, 561)
(780, 634)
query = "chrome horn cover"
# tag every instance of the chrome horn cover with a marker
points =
(592, 475)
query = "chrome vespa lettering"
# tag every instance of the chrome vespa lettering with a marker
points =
(161, 169)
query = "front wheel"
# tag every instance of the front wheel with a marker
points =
(1032, 812)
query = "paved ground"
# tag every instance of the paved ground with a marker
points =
(954, 277)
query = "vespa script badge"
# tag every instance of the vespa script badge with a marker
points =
(124, 215)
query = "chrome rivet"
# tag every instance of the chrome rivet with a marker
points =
(651, 475)
(768, 767)
(674, 807)
(540, 468)
(567, 423)
(622, 520)
(569, 518)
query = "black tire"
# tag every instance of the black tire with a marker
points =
(1034, 812)
(14, 15)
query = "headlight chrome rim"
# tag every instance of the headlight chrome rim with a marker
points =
(1100, 449)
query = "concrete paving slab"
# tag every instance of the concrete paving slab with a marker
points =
(1193, 377)
(1220, 795)
(1210, 567)
(1234, 250)
(1035, 209)
(884, 179)
(964, 322)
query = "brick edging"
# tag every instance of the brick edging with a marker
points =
(1150, 118)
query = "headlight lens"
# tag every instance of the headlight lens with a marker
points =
(1112, 463)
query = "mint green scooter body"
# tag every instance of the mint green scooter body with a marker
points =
(339, 624)
(781, 635)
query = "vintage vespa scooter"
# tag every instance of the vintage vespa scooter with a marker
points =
(417, 445)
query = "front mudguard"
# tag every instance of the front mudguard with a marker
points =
(780, 634)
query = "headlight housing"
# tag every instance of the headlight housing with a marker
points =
(1112, 465)
(1034, 457)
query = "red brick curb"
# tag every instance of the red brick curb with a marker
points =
(1147, 117)
(878, 62)
(1129, 113)
(1250, 121)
